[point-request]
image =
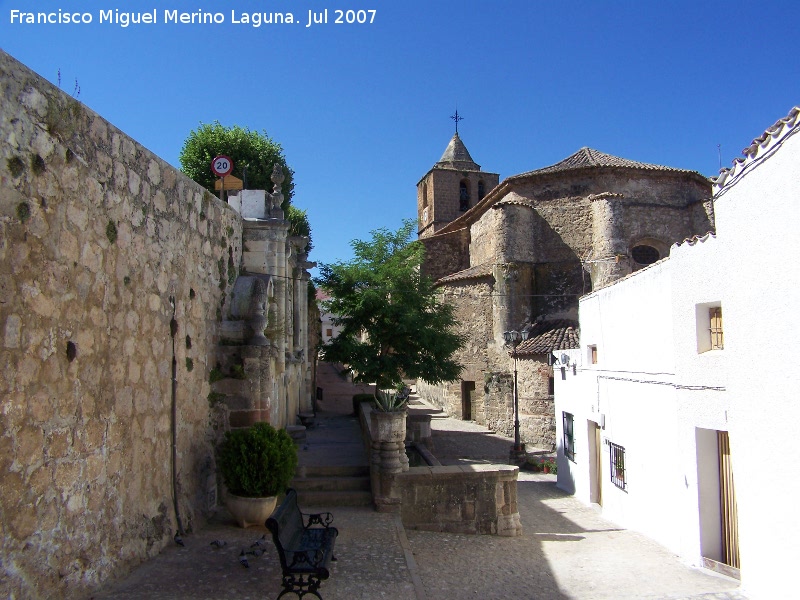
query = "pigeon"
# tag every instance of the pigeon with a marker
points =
(243, 560)
(178, 539)
(217, 544)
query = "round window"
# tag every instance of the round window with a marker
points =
(645, 255)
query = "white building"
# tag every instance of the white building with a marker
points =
(329, 330)
(667, 407)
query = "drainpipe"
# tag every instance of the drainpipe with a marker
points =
(173, 330)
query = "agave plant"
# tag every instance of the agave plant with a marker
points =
(391, 400)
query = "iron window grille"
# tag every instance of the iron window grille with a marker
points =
(618, 473)
(569, 437)
(715, 327)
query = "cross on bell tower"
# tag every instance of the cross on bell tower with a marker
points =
(456, 117)
(451, 187)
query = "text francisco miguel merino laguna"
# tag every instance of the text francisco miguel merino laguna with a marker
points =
(198, 17)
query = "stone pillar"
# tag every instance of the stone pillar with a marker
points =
(388, 457)
(610, 260)
(511, 302)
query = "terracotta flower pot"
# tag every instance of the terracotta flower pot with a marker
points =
(250, 511)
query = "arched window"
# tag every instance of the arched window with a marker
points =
(481, 189)
(463, 195)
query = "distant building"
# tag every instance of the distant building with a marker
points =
(677, 415)
(329, 330)
(517, 255)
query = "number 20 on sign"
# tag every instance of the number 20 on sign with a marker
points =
(222, 165)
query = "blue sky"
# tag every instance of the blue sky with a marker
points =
(362, 110)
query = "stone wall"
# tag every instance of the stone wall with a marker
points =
(472, 499)
(113, 268)
(475, 499)
(548, 240)
(446, 254)
(473, 313)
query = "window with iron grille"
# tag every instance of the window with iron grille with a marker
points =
(569, 438)
(618, 472)
(715, 327)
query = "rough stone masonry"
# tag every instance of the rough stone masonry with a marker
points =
(112, 265)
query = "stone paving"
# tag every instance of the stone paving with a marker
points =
(567, 551)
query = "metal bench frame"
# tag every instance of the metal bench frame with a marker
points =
(305, 546)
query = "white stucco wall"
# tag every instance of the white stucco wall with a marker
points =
(748, 388)
(758, 220)
(653, 390)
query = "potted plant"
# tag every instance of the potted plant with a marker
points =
(256, 464)
(390, 416)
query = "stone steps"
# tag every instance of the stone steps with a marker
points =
(329, 499)
(325, 486)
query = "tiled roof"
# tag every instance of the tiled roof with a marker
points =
(586, 158)
(548, 336)
(696, 239)
(514, 201)
(760, 147)
(457, 155)
(476, 272)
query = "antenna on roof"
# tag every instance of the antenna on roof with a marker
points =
(456, 117)
(719, 155)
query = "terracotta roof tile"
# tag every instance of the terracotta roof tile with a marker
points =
(548, 336)
(476, 272)
(586, 158)
(761, 146)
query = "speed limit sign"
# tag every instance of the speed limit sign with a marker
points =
(222, 165)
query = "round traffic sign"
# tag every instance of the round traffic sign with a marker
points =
(222, 165)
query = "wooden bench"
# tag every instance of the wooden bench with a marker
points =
(305, 548)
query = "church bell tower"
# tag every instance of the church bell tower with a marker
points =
(452, 186)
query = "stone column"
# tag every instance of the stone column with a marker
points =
(388, 457)
(609, 246)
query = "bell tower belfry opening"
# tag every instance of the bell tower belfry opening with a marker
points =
(452, 186)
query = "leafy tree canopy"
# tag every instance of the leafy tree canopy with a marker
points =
(256, 152)
(381, 293)
(250, 150)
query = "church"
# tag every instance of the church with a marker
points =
(516, 255)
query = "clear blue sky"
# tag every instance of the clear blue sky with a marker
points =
(362, 111)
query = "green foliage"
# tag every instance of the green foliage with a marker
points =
(382, 294)
(390, 401)
(237, 372)
(215, 375)
(251, 149)
(215, 398)
(189, 365)
(23, 211)
(37, 164)
(299, 225)
(359, 398)
(258, 461)
(15, 166)
(111, 232)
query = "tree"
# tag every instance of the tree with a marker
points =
(393, 325)
(250, 150)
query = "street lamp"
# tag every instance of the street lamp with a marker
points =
(513, 339)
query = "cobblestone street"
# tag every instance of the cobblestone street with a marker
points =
(566, 551)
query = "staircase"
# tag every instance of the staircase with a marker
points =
(325, 486)
(333, 465)
(337, 389)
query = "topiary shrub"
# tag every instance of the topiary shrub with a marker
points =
(258, 461)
